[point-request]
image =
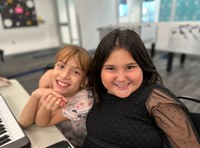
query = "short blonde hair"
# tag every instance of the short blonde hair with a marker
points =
(81, 56)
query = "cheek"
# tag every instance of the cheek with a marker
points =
(138, 76)
(106, 79)
(79, 80)
(54, 75)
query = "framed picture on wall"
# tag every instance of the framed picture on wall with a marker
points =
(18, 13)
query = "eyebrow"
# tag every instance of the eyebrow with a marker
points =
(61, 61)
(74, 66)
(133, 63)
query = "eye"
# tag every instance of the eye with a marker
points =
(77, 72)
(110, 68)
(59, 66)
(130, 67)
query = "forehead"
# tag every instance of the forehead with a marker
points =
(73, 61)
(120, 55)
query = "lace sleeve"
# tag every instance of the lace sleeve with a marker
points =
(172, 119)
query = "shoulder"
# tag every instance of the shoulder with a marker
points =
(79, 105)
(84, 94)
(162, 91)
(161, 96)
(45, 80)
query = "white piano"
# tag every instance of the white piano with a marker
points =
(11, 135)
(15, 97)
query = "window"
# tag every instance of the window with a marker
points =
(149, 11)
(123, 8)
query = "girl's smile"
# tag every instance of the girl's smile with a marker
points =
(67, 77)
(121, 75)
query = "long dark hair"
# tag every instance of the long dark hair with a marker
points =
(130, 41)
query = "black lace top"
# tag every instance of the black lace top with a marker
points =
(147, 118)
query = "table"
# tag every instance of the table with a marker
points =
(16, 97)
(178, 38)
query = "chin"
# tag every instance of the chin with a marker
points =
(122, 96)
(58, 91)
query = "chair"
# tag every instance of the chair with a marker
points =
(195, 116)
(1, 55)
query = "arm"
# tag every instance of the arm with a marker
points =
(50, 113)
(28, 114)
(172, 119)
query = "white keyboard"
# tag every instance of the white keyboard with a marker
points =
(11, 134)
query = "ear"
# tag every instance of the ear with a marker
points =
(84, 83)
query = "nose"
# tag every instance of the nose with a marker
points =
(65, 74)
(121, 76)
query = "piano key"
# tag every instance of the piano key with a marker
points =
(1, 125)
(2, 128)
(3, 132)
(10, 124)
(3, 137)
(5, 140)
(11, 128)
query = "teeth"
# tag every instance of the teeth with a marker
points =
(62, 84)
(120, 85)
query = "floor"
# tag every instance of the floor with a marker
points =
(27, 68)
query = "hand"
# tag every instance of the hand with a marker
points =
(4, 81)
(38, 93)
(52, 102)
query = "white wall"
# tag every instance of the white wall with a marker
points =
(94, 14)
(27, 39)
